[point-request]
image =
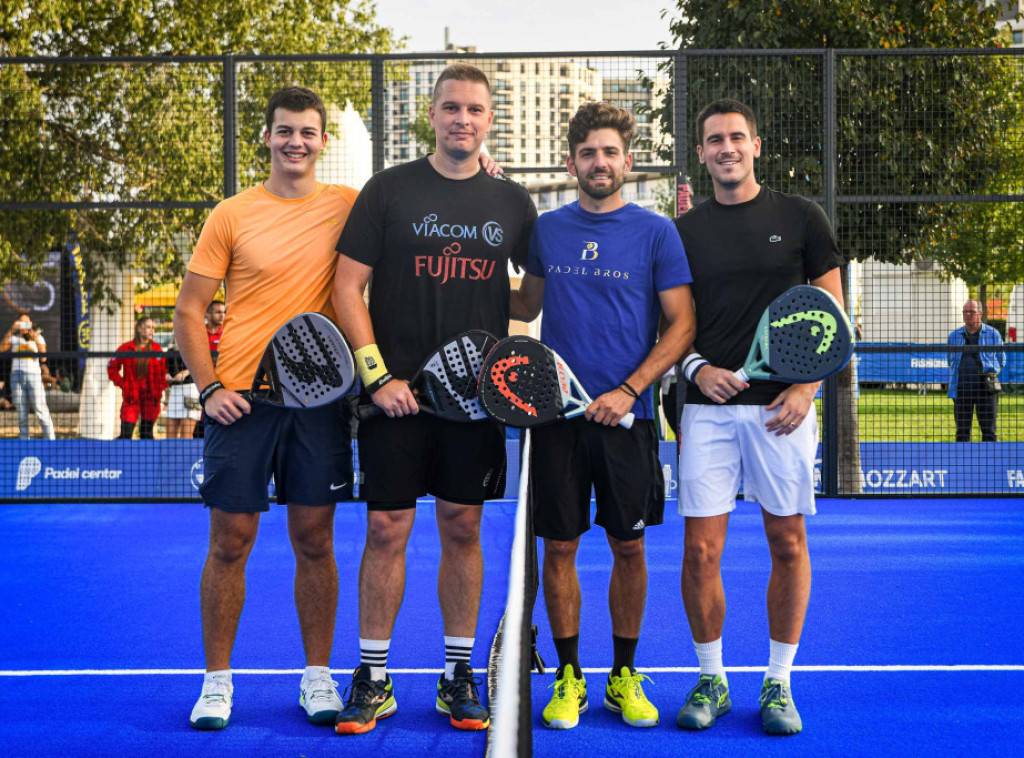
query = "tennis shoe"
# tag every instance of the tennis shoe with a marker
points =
(318, 695)
(459, 699)
(213, 708)
(705, 703)
(568, 702)
(623, 694)
(367, 701)
(778, 712)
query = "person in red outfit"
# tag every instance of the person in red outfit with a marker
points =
(142, 382)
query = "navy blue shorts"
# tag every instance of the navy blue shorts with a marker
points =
(406, 458)
(308, 452)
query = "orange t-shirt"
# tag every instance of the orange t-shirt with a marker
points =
(278, 259)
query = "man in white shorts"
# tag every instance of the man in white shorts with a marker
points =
(746, 246)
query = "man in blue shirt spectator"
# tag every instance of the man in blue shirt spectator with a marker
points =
(968, 387)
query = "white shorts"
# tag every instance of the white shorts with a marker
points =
(725, 447)
(176, 401)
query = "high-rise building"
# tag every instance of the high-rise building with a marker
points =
(635, 95)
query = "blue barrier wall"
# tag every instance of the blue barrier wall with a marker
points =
(73, 469)
(920, 368)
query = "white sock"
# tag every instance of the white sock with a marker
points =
(710, 656)
(224, 675)
(780, 661)
(314, 671)
(374, 653)
(456, 650)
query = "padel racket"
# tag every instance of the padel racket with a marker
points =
(307, 364)
(524, 383)
(446, 384)
(803, 336)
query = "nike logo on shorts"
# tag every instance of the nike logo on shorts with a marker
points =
(335, 487)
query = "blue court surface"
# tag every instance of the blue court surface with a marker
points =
(913, 643)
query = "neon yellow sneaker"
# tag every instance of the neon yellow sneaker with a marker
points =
(624, 695)
(568, 702)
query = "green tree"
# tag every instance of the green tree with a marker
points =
(905, 125)
(150, 131)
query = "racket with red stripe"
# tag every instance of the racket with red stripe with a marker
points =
(525, 383)
(446, 384)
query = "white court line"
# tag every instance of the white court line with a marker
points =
(435, 672)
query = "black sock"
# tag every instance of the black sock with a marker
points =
(625, 651)
(127, 430)
(568, 649)
(145, 430)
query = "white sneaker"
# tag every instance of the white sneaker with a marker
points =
(214, 707)
(318, 694)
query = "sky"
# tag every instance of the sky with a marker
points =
(496, 26)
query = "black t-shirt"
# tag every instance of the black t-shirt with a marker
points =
(742, 257)
(439, 249)
(970, 362)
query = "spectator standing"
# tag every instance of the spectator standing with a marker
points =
(27, 392)
(142, 382)
(971, 392)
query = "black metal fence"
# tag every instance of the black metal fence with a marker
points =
(917, 156)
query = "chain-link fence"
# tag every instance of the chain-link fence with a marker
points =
(110, 167)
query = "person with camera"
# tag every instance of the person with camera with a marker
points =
(973, 375)
(26, 339)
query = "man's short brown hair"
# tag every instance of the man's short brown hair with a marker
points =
(591, 116)
(296, 100)
(723, 106)
(460, 72)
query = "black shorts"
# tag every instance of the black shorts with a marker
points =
(308, 452)
(621, 464)
(405, 458)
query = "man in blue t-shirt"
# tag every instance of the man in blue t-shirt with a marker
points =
(604, 271)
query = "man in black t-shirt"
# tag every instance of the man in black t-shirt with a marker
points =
(746, 246)
(437, 235)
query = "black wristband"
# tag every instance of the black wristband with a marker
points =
(629, 390)
(378, 383)
(208, 391)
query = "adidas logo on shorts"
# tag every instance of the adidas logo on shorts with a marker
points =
(639, 525)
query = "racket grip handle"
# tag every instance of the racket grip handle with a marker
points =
(627, 421)
(741, 375)
(367, 412)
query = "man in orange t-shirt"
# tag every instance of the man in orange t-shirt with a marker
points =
(274, 246)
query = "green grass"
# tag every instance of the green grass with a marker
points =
(891, 415)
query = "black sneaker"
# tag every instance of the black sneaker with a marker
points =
(367, 700)
(458, 698)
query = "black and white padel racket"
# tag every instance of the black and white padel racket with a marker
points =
(803, 336)
(525, 383)
(446, 384)
(307, 364)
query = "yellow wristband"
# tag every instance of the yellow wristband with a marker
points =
(371, 367)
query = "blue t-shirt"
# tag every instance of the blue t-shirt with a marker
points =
(602, 274)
